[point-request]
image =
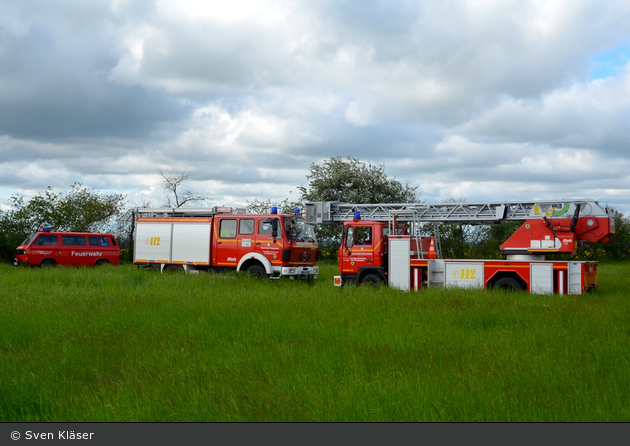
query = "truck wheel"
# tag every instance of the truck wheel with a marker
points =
(47, 263)
(507, 284)
(101, 262)
(371, 279)
(257, 271)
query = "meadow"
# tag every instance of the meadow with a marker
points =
(122, 344)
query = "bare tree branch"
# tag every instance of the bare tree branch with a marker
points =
(175, 196)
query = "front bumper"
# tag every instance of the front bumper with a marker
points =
(301, 272)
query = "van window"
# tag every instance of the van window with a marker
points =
(265, 227)
(46, 240)
(227, 228)
(363, 236)
(98, 240)
(73, 240)
(246, 226)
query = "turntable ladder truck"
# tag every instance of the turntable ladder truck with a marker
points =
(381, 243)
(225, 239)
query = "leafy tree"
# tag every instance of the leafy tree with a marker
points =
(351, 181)
(264, 207)
(493, 236)
(354, 181)
(619, 245)
(81, 209)
(175, 195)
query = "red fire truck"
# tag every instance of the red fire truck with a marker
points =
(47, 248)
(225, 238)
(381, 243)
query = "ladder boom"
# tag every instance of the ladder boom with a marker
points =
(456, 213)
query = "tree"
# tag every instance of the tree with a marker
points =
(263, 207)
(351, 181)
(176, 196)
(493, 236)
(81, 209)
(354, 181)
(619, 245)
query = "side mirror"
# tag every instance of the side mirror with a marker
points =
(274, 228)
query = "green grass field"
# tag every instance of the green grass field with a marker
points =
(122, 344)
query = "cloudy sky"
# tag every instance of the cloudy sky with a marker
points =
(481, 99)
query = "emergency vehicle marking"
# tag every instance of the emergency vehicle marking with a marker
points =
(86, 254)
(154, 241)
(552, 211)
(465, 274)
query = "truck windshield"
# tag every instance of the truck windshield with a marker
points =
(30, 239)
(297, 229)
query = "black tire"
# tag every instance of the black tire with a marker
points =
(257, 271)
(507, 284)
(101, 262)
(47, 263)
(372, 280)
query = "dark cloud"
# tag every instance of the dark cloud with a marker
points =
(53, 81)
(477, 99)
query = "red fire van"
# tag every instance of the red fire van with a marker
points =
(46, 248)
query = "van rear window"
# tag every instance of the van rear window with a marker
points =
(98, 240)
(73, 240)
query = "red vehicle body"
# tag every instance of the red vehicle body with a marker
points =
(377, 260)
(46, 248)
(226, 239)
(386, 247)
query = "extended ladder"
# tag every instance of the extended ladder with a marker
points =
(456, 213)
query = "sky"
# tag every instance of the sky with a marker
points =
(478, 100)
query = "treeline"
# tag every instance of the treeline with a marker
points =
(348, 180)
(483, 242)
(81, 209)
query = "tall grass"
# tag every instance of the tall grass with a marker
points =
(122, 344)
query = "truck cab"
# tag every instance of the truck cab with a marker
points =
(363, 252)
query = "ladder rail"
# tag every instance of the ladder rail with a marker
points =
(454, 213)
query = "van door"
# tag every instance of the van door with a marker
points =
(45, 246)
(246, 242)
(265, 242)
(104, 247)
(225, 250)
(74, 251)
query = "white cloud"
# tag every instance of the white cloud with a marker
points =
(478, 99)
